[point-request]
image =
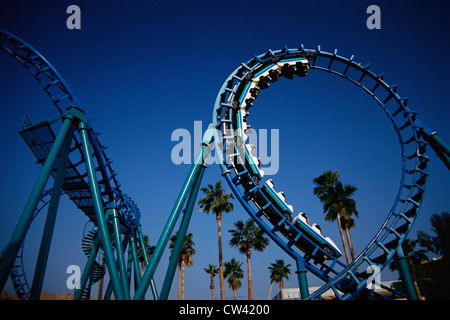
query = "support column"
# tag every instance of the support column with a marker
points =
(8, 256)
(170, 224)
(405, 275)
(146, 260)
(181, 236)
(119, 248)
(100, 214)
(440, 147)
(44, 249)
(302, 279)
(134, 256)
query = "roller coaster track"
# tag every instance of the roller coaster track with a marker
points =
(40, 139)
(62, 97)
(344, 280)
(18, 276)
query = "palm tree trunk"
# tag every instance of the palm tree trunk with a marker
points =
(182, 280)
(142, 268)
(350, 244)
(234, 288)
(270, 291)
(416, 287)
(212, 286)
(219, 235)
(344, 243)
(179, 281)
(249, 272)
(281, 284)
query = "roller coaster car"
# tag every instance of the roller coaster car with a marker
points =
(288, 71)
(302, 68)
(277, 210)
(245, 161)
(246, 165)
(252, 164)
(311, 236)
(313, 233)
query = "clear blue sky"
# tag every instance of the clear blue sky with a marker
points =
(146, 68)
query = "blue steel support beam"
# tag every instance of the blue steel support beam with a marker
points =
(441, 148)
(302, 279)
(146, 261)
(134, 256)
(405, 275)
(119, 248)
(181, 236)
(173, 217)
(108, 291)
(129, 266)
(8, 256)
(44, 250)
(100, 214)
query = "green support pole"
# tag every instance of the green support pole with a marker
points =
(302, 279)
(146, 260)
(181, 235)
(99, 214)
(136, 269)
(129, 266)
(119, 248)
(405, 275)
(108, 291)
(44, 249)
(440, 147)
(109, 288)
(8, 256)
(88, 268)
(170, 224)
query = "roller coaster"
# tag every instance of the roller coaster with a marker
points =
(77, 162)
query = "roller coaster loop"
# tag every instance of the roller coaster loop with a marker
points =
(268, 207)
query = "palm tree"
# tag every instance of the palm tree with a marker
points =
(247, 236)
(217, 201)
(337, 201)
(413, 260)
(439, 244)
(348, 223)
(234, 272)
(148, 251)
(278, 271)
(212, 270)
(187, 251)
